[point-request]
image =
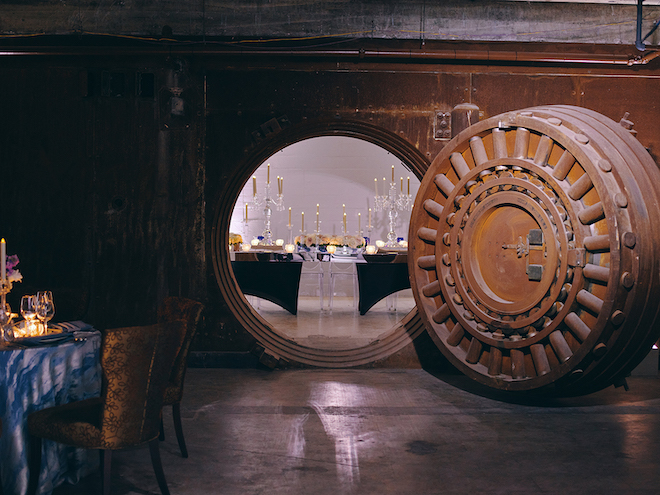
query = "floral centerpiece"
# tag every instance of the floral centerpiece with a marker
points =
(323, 241)
(13, 275)
(235, 240)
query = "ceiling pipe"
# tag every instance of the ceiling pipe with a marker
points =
(477, 56)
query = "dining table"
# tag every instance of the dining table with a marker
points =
(38, 373)
(378, 279)
(275, 278)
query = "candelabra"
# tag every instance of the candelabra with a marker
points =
(317, 235)
(6, 332)
(393, 203)
(268, 203)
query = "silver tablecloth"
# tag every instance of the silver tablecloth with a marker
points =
(35, 378)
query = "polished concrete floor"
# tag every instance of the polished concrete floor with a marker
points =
(338, 327)
(395, 432)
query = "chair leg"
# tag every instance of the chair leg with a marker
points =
(161, 436)
(34, 464)
(106, 462)
(176, 414)
(154, 450)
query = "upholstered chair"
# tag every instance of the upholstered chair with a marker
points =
(179, 308)
(135, 362)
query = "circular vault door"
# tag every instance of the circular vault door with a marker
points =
(531, 250)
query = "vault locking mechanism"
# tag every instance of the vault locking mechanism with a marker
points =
(534, 241)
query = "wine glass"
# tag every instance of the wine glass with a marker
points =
(45, 308)
(29, 312)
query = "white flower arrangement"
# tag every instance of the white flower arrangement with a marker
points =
(324, 240)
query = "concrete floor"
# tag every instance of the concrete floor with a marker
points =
(340, 328)
(395, 432)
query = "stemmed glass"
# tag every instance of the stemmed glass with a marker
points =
(29, 312)
(45, 308)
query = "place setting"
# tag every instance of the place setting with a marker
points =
(36, 310)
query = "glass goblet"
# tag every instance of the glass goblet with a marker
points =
(29, 312)
(45, 308)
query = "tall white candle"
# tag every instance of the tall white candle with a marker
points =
(359, 221)
(376, 185)
(254, 185)
(401, 184)
(289, 216)
(3, 261)
(344, 222)
(246, 210)
(303, 222)
(392, 173)
(370, 218)
(268, 174)
(408, 185)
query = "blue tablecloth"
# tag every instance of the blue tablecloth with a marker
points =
(36, 378)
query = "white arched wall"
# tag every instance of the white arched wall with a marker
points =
(330, 171)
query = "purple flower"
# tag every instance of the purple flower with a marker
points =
(12, 261)
(13, 275)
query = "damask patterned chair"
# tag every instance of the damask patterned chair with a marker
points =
(135, 362)
(1, 491)
(179, 308)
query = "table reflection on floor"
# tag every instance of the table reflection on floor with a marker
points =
(341, 328)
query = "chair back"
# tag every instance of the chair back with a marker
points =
(136, 363)
(181, 308)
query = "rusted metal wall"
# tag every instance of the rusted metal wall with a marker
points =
(112, 197)
(484, 20)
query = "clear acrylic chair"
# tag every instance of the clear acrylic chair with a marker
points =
(313, 267)
(343, 267)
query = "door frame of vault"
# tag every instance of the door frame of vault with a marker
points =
(401, 335)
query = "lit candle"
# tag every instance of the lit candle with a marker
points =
(343, 209)
(369, 218)
(3, 261)
(281, 185)
(254, 185)
(359, 221)
(385, 187)
(303, 222)
(289, 216)
(246, 210)
(401, 184)
(317, 216)
(408, 185)
(344, 222)
(268, 174)
(392, 173)
(376, 185)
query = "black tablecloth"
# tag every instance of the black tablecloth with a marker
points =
(379, 280)
(276, 281)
